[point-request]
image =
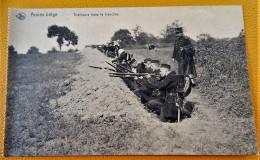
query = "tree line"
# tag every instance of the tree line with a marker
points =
(140, 37)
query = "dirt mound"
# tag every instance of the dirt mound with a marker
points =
(111, 120)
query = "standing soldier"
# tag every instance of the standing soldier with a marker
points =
(183, 53)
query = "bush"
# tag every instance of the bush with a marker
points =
(11, 51)
(71, 50)
(33, 50)
(53, 50)
(225, 72)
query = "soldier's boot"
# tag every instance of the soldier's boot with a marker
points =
(185, 112)
(162, 118)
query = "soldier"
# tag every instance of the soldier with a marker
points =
(169, 109)
(155, 65)
(116, 43)
(112, 50)
(144, 91)
(123, 56)
(183, 53)
(144, 67)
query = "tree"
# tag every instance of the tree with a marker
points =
(145, 38)
(137, 30)
(12, 51)
(152, 39)
(33, 50)
(62, 34)
(124, 36)
(168, 33)
(142, 38)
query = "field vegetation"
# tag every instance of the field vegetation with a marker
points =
(57, 105)
(34, 79)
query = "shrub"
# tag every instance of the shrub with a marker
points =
(71, 50)
(53, 50)
(33, 50)
(11, 51)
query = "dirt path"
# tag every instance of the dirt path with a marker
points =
(111, 120)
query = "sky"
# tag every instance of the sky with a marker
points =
(218, 21)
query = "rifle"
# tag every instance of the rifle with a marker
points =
(102, 68)
(121, 75)
(128, 74)
(125, 68)
(114, 67)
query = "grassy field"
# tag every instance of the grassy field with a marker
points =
(57, 105)
(32, 81)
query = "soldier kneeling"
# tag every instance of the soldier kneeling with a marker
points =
(173, 85)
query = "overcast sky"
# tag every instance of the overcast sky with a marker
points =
(218, 21)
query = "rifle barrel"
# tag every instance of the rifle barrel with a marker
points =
(102, 68)
(125, 68)
(95, 67)
(132, 74)
(114, 66)
(121, 76)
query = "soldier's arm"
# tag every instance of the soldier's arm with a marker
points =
(174, 52)
(188, 47)
(163, 83)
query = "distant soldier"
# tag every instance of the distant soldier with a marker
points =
(170, 85)
(152, 47)
(116, 43)
(111, 50)
(183, 53)
(123, 56)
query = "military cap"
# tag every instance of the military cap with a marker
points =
(178, 30)
(147, 59)
(166, 66)
(155, 61)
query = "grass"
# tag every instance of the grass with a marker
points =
(32, 81)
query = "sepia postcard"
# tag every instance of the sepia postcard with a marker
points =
(128, 81)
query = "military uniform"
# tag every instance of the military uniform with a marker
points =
(146, 91)
(123, 56)
(140, 68)
(186, 65)
(169, 110)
